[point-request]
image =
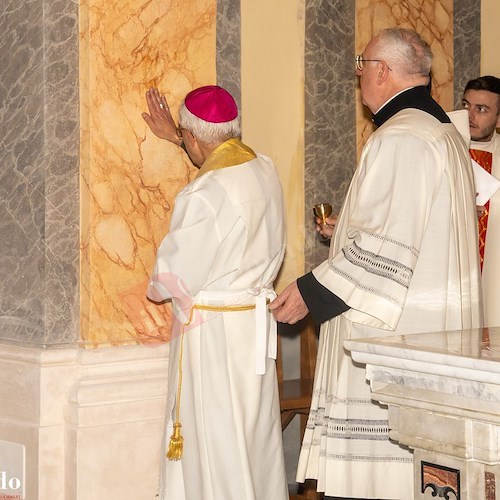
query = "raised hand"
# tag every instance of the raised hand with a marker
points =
(160, 119)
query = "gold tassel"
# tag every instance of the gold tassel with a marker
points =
(176, 445)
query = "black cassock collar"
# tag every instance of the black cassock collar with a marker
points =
(416, 98)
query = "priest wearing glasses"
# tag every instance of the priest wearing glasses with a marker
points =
(403, 259)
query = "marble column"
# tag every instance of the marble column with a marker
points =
(39, 178)
(81, 424)
(228, 47)
(466, 45)
(330, 126)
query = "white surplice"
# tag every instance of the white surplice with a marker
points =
(404, 258)
(224, 248)
(491, 264)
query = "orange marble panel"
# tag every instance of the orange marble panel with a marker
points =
(129, 178)
(439, 480)
(433, 20)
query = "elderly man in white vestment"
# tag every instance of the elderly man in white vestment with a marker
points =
(217, 264)
(482, 100)
(403, 259)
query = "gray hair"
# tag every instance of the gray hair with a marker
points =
(207, 132)
(405, 49)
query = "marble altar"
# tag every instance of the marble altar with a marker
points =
(443, 394)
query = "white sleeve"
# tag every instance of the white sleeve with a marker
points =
(385, 228)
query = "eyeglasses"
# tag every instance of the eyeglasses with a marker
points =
(360, 61)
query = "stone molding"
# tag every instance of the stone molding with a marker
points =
(86, 417)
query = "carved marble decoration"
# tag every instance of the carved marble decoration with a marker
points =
(129, 177)
(490, 486)
(439, 480)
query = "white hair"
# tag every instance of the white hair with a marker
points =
(406, 50)
(207, 132)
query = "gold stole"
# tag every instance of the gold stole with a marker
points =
(229, 154)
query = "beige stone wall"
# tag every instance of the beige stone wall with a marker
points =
(490, 22)
(272, 77)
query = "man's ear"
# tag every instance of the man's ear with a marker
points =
(189, 137)
(186, 131)
(382, 72)
(194, 141)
